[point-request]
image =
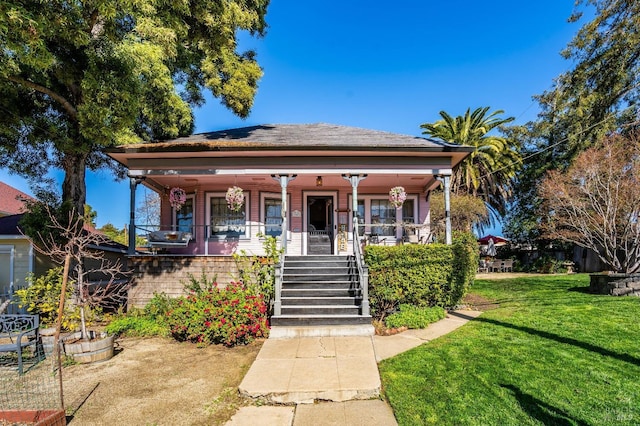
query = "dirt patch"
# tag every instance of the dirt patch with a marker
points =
(478, 303)
(159, 382)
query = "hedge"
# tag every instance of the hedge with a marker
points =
(420, 275)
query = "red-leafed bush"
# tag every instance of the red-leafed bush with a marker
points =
(231, 315)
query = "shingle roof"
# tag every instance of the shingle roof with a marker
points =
(11, 200)
(296, 136)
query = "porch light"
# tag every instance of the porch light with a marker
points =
(319, 181)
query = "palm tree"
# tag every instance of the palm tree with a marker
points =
(489, 171)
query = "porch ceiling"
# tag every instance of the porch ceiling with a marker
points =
(306, 181)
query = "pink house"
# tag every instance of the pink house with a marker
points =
(305, 184)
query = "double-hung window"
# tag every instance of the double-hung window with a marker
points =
(223, 222)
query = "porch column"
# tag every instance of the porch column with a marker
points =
(446, 180)
(354, 180)
(133, 184)
(363, 271)
(284, 182)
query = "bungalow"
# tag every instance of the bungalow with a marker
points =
(320, 189)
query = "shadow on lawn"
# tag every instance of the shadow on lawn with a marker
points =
(568, 340)
(540, 410)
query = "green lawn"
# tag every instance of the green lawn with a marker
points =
(551, 354)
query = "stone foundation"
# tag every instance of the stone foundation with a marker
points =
(169, 274)
(615, 284)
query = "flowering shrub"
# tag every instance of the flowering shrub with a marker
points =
(232, 315)
(397, 196)
(235, 198)
(177, 197)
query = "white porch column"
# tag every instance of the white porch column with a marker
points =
(354, 180)
(284, 182)
(446, 180)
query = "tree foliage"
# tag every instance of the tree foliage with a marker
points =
(467, 212)
(597, 96)
(489, 170)
(76, 77)
(595, 203)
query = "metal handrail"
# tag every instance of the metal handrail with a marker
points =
(363, 272)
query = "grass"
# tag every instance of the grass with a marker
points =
(550, 354)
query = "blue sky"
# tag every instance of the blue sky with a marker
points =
(368, 64)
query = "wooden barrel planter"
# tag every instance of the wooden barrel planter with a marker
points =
(86, 351)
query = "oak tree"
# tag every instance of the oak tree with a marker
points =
(78, 77)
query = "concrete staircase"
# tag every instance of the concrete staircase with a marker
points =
(321, 291)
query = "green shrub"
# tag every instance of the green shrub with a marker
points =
(259, 271)
(420, 275)
(42, 297)
(414, 317)
(147, 322)
(231, 315)
(137, 325)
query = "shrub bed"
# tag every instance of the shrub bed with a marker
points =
(420, 275)
(230, 316)
(414, 317)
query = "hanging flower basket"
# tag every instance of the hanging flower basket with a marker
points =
(235, 198)
(177, 197)
(397, 196)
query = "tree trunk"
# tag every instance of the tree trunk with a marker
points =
(74, 187)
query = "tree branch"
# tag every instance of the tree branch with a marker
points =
(71, 110)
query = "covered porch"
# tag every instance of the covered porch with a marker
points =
(306, 185)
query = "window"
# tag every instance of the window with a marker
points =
(184, 219)
(271, 213)
(224, 223)
(376, 215)
(272, 217)
(383, 213)
(6, 271)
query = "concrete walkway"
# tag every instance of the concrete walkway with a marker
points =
(343, 370)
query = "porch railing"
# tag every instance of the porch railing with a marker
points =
(363, 271)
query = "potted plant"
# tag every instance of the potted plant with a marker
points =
(235, 198)
(177, 197)
(397, 196)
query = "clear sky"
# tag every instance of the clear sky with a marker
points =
(373, 65)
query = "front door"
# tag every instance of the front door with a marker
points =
(320, 224)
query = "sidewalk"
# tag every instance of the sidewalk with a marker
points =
(342, 370)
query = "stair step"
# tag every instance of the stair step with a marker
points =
(314, 257)
(305, 320)
(344, 285)
(320, 310)
(320, 300)
(320, 292)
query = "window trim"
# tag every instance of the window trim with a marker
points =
(367, 211)
(247, 221)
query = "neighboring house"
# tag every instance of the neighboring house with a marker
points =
(16, 253)
(303, 184)
(11, 200)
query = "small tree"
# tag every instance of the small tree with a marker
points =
(595, 203)
(98, 280)
(467, 212)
